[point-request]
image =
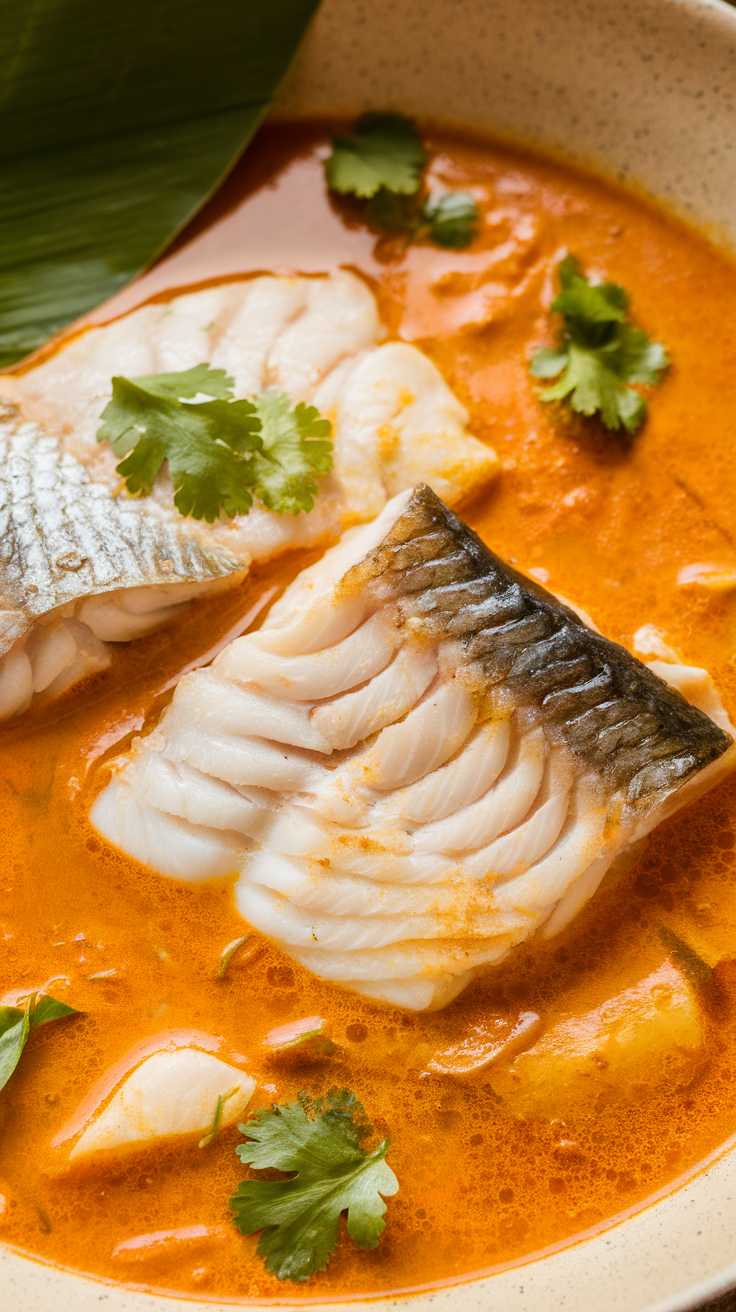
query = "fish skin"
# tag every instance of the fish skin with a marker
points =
(65, 537)
(588, 749)
(635, 731)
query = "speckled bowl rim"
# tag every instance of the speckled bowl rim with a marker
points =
(643, 91)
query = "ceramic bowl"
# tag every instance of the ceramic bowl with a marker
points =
(644, 91)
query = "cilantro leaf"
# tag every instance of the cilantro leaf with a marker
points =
(383, 150)
(217, 454)
(392, 212)
(452, 219)
(601, 353)
(295, 447)
(382, 161)
(229, 953)
(189, 383)
(299, 1217)
(16, 1024)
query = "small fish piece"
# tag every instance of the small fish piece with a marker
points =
(492, 758)
(80, 568)
(320, 340)
(172, 1092)
(695, 683)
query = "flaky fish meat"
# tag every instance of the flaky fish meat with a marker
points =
(420, 759)
(318, 339)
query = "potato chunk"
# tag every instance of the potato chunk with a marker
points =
(648, 1035)
(172, 1092)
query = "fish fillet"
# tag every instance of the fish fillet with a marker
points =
(318, 339)
(439, 758)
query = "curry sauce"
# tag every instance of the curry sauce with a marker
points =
(608, 522)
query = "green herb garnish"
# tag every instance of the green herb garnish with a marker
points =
(322, 1141)
(221, 453)
(229, 953)
(452, 219)
(381, 161)
(295, 446)
(307, 1033)
(214, 1129)
(16, 1023)
(382, 152)
(600, 353)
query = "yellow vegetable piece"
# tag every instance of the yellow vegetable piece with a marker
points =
(649, 1034)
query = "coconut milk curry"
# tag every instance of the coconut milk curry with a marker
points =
(623, 1079)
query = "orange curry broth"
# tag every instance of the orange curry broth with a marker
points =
(611, 522)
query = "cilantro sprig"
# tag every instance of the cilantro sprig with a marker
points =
(16, 1024)
(322, 1141)
(381, 161)
(600, 353)
(295, 449)
(451, 219)
(220, 453)
(382, 152)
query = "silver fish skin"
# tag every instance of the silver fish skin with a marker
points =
(420, 759)
(79, 566)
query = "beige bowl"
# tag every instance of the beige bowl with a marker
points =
(642, 90)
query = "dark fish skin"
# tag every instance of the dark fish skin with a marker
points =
(64, 537)
(592, 695)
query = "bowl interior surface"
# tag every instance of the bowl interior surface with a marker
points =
(643, 91)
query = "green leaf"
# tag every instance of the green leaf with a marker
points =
(601, 353)
(229, 953)
(547, 362)
(16, 1024)
(585, 305)
(392, 212)
(383, 150)
(305, 1034)
(220, 453)
(452, 219)
(382, 161)
(119, 121)
(49, 1009)
(214, 1129)
(207, 446)
(296, 447)
(201, 380)
(321, 1141)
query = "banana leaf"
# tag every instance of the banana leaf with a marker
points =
(119, 120)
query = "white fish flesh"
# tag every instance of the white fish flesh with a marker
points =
(318, 339)
(422, 758)
(175, 1091)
